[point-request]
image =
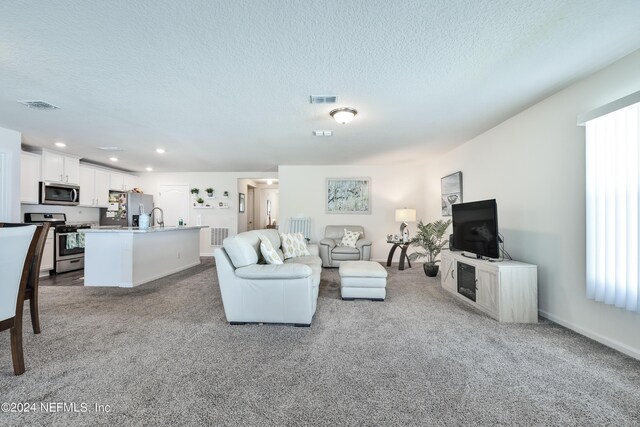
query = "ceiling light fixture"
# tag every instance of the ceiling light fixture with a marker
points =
(269, 181)
(160, 150)
(60, 144)
(343, 115)
(149, 169)
(113, 159)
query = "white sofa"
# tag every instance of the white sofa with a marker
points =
(256, 292)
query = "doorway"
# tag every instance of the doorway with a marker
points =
(261, 206)
(174, 202)
(251, 198)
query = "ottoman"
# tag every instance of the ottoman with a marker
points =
(363, 279)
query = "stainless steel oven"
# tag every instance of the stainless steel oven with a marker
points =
(69, 248)
(52, 193)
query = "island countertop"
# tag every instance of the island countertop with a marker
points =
(128, 257)
(138, 230)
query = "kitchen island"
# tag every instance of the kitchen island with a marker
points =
(127, 257)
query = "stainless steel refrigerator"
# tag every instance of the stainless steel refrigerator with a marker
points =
(124, 209)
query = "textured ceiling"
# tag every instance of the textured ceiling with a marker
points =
(224, 85)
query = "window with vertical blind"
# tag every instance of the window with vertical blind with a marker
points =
(612, 187)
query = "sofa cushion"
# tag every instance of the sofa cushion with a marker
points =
(242, 249)
(350, 238)
(345, 250)
(307, 260)
(272, 235)
(293, 245)
(270, 272)
(270, 255)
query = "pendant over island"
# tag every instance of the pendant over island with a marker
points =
(127, 257)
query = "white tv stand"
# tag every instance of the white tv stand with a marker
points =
(506, 290)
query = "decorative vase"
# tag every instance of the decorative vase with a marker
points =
(430, 269)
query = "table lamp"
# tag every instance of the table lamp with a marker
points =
(405, 215)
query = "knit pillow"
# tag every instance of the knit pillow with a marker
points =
(350, 238)
(269, 254)
(293, 245)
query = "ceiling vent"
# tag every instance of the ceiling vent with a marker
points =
(111, 148)
(322, 133)
(323, 99)
(39, 105)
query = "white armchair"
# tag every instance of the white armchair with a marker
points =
(332, 253)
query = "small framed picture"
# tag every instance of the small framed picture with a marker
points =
(241, 202)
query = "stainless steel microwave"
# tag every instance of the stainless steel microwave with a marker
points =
(52, 193)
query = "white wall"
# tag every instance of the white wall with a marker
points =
(10, 179)
(220, 181)
(303, 193)
(534, 165)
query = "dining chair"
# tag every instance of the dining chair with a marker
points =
(33, 281)
(17, 249)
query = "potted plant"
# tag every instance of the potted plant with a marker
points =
(200, 201)
(209, 192)
(430, 238)
(195, 191)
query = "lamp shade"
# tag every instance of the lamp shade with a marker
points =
(405, 215)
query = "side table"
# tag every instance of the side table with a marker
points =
(403, 254)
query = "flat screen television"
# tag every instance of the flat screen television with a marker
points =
(475, 228)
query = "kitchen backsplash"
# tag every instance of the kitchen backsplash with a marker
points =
(74, 213)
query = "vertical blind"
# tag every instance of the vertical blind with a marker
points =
(612, 186)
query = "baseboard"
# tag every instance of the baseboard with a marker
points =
(623, 348)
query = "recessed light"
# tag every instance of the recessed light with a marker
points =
(113, 159)
(60, 144)
(160, 150)
(269, 182)
(149, 169)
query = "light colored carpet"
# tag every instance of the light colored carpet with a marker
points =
(163, 354)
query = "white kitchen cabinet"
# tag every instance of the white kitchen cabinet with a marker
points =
(30, 170)
(58, 167)
(47, 254)
(122, 181)
(102, 188)
(505, 290)
(94, 187)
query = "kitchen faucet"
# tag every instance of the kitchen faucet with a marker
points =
(161, 219)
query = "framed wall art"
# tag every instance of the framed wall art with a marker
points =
(450, 191)
(348, 196)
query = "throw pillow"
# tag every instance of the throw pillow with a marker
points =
(293, 245)
(350, 238)
(269, 253)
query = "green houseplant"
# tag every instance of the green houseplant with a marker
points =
(209, 192)
(195, 191)
(429, 237)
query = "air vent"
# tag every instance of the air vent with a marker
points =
(322, 133)
(39, 105)
(218, 235)
(323, 99)
(111, 148)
